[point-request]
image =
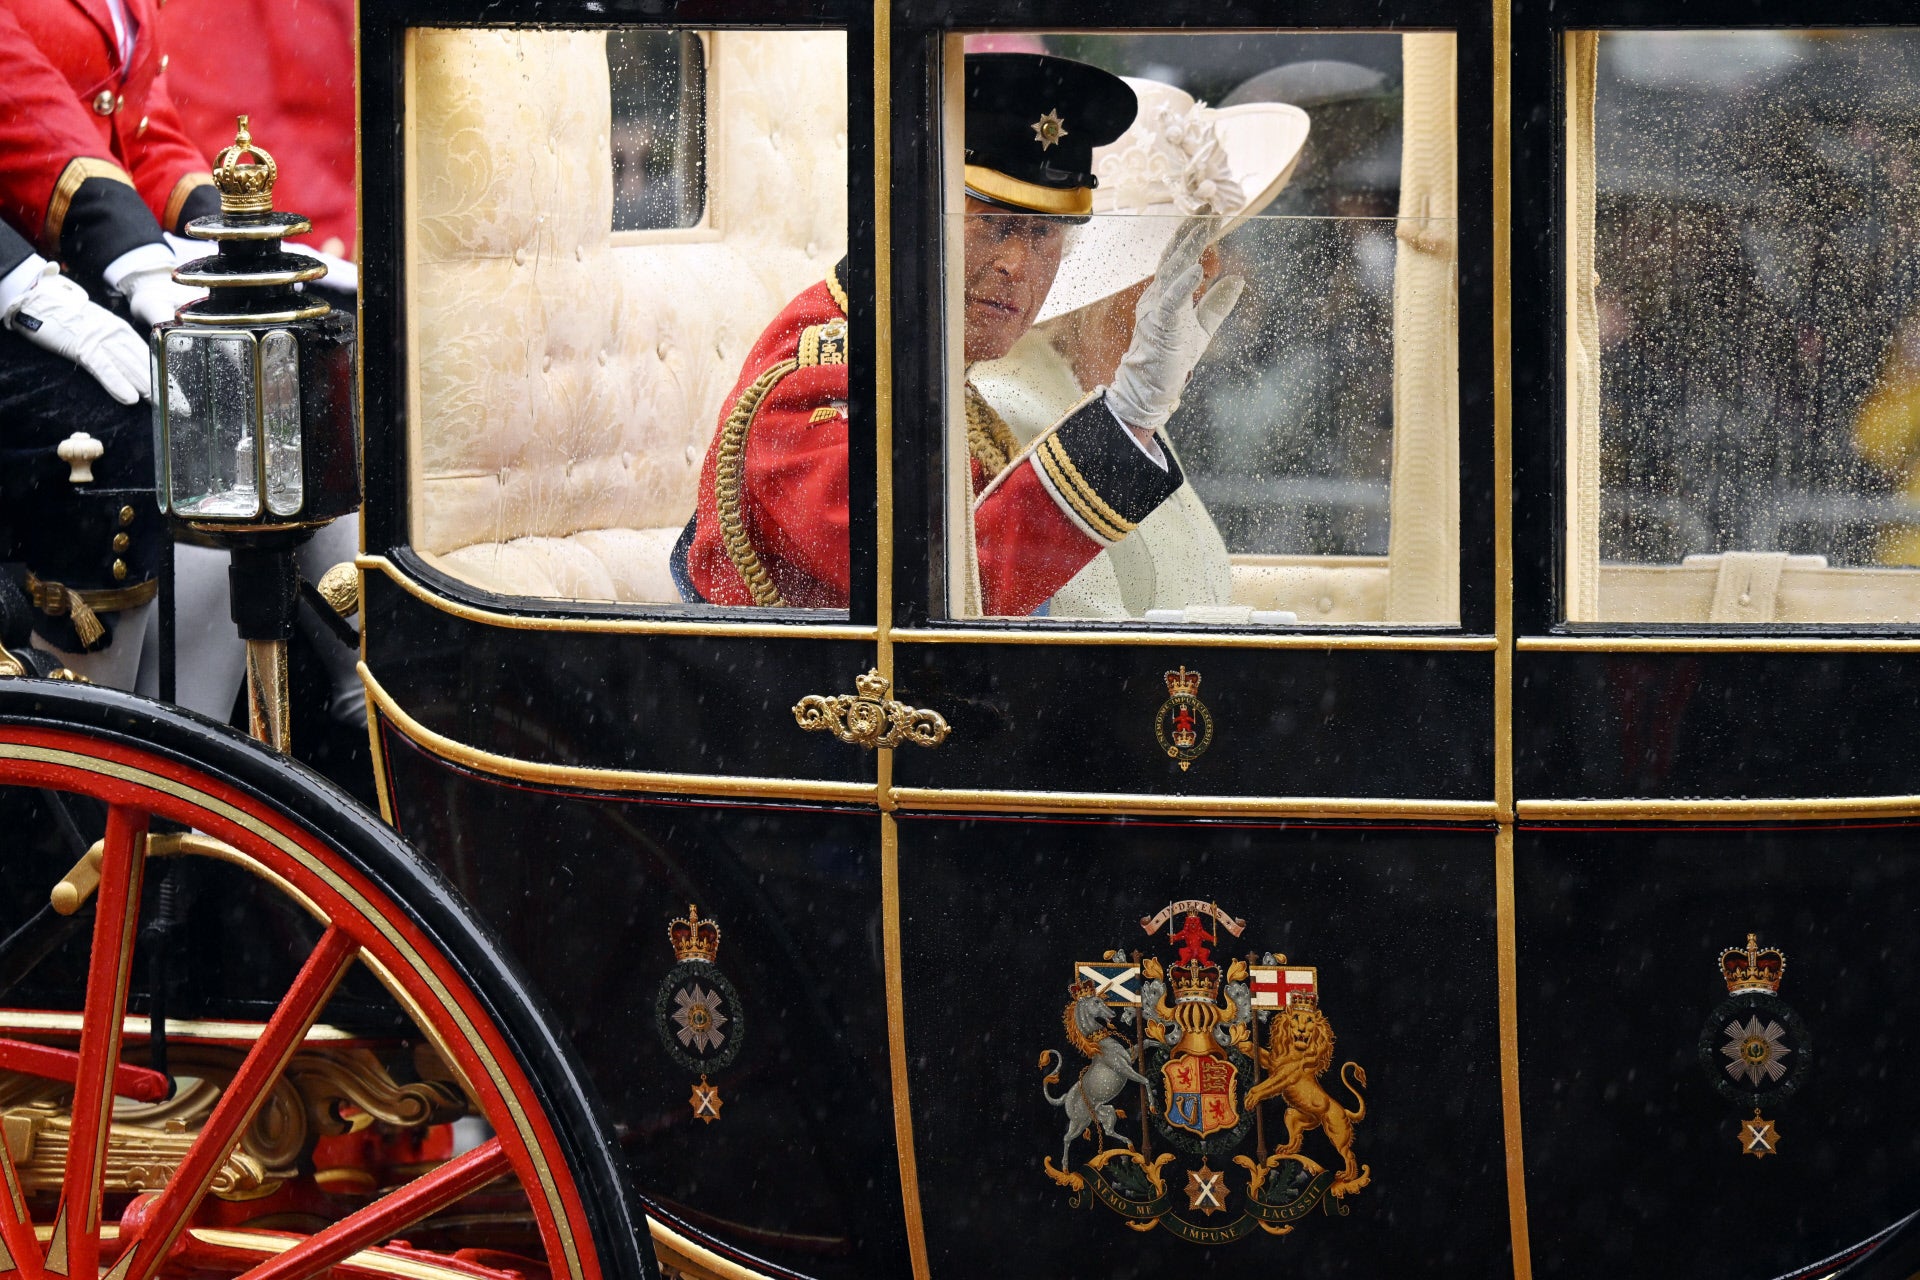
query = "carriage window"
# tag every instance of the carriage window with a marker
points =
(1743, 327)
(1107, 456)
(658, 85)
(625, 416)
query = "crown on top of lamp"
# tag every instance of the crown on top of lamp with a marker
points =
(244, 188)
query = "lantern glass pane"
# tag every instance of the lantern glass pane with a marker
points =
(280, 421)
(159, 419)
(211, 407)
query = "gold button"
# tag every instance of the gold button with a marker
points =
(121, 542)
(163, 66)
(103, 103)
(119, 101)
(126, 516)
(141, 130)
(119, 570)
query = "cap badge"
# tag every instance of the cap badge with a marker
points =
(1049, 129)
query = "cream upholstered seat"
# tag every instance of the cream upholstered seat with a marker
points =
(565, 379)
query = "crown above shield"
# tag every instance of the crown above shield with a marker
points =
(1183, 683)
(1752, 967)
(694, 938)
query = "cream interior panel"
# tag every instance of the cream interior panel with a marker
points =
(566, 386)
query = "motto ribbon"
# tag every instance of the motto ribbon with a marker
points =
(1191, 905)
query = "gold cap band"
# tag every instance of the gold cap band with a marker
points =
(994, 185)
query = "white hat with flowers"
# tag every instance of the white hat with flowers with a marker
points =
(1180, 157)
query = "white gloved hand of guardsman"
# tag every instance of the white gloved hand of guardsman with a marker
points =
(54, 313)
(1171, 331)
(144, 276)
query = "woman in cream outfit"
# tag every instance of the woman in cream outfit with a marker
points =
(1179, 158)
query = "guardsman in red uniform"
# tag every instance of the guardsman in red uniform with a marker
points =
(770, 527)
(94, 165)
(94, 168)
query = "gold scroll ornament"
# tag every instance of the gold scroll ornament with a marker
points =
(869, 718)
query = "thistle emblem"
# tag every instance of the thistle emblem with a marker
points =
(1753, 1046)
(1049, 129)
(697, 1011)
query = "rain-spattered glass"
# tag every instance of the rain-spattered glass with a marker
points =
(570, 378)
(158, 383)
(212, 424)
(658, 84)
(280, 421)
(1335, 370)
(1743, 371)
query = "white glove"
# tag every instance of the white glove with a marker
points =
(54, 313)
(1170, 330)
(144, 276)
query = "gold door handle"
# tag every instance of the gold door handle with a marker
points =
(870, 718)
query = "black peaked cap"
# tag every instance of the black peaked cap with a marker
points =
(1037, 119)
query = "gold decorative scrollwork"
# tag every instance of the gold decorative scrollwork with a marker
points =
(869, 718)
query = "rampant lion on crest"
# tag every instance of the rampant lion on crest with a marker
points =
(1299, 1051)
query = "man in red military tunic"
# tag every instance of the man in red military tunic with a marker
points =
(771, 523)
(94, 165)
(94, 169)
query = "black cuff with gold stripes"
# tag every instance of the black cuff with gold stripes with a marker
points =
(95, 216)
(1100, 475)
(199, 200)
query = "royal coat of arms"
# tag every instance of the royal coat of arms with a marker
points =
(697, 1011)
(1192, 1058)
(1753, 1046)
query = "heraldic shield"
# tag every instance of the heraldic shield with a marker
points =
(1191, 1060)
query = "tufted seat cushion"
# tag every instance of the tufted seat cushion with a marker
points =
(565, 386)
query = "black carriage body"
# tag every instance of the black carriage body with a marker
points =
(1509, 852)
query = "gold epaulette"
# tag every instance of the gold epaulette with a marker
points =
(823, 344)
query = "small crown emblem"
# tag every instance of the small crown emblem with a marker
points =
(1183, 683)
(1753, 967)
(244, 188)
(872, 685)
(1194, 981)
(1082, 989)
(694, 938)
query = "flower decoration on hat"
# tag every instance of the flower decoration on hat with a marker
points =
(1174, 152)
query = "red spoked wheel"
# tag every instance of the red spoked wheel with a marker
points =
(143, 1193)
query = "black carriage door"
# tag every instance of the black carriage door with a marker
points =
(1213, 836)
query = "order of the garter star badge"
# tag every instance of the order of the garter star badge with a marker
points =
(1753, 1046)
(697, 1012)
(1183, 725)
(1187, 1059)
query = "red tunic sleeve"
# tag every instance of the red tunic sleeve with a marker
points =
(1080, 488)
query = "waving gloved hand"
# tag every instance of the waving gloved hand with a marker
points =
(55, 313)
(1170, 330)
(144, 276)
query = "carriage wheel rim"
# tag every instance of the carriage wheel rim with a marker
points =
(362, 920)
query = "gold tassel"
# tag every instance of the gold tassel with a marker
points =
(86, 623)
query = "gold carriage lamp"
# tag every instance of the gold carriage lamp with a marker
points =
(256, 433)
